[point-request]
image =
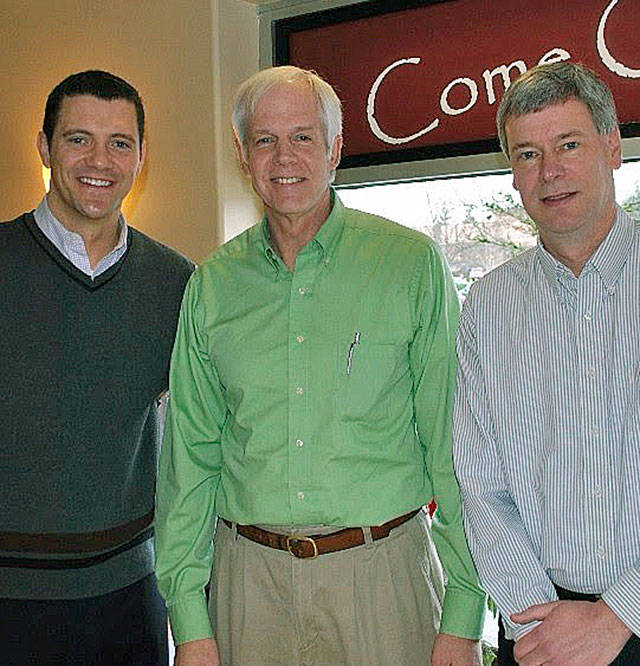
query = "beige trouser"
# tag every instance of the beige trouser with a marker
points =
(378, 603)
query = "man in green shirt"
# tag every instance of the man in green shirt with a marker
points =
(311, 388)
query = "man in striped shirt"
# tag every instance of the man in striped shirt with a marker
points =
(547, 417)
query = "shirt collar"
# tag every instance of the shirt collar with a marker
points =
(330, 232)
(607, 261)
(71, 245)
(326, 238)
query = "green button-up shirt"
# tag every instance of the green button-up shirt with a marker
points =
(320, 396)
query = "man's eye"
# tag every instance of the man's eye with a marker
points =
(261, 141)
(526, 155)
(122, 145)
(303, 137)
(77, 140)
(569, 145)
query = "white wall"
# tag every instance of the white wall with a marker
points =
(235, 58)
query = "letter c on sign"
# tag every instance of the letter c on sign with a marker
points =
(371, 102)
(606, 57)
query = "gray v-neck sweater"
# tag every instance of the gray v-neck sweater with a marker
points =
(82, 365)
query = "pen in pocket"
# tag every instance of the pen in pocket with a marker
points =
(352, 346)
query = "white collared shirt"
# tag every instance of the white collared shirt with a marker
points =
(71, 245)
(547, 427)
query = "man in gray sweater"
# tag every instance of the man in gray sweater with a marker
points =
(89, 311)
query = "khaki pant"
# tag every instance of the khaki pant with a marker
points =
(378, 603)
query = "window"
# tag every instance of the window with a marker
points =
(478, 220)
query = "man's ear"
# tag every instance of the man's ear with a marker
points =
(143, 156)
(614, 147)
(240, 154)
(336, 152)
(43, 149)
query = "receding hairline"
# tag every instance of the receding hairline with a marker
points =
(303, 84)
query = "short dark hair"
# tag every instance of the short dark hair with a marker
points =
(96, 83)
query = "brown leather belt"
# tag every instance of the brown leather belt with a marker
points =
(318, 544)
(84, 542)
(114, 541)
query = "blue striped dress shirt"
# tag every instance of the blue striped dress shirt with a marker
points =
(547, 427)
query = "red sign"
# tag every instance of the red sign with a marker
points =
(424, 81)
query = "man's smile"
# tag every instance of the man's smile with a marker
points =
(552, 199)
(95, 182)
(290, 180)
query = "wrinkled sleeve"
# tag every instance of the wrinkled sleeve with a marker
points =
(432, 359)
(189, 473)
(508, 566)
(622, 598)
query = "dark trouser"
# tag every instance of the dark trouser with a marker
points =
(127, 627)
(630, 655)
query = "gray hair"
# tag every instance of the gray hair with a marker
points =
(256, 86)
(555, 83)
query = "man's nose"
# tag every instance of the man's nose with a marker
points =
(285, 153)
(551, 166)
(98, 155)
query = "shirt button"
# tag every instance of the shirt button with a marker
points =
(300, 495)
(300, 338)
(299, 443)
(600, 552)
(299, 390)
(591, 372)
(302, 291)
(595, 432)
(587, 316)
(597, 491)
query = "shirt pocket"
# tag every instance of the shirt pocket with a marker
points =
(366, 380)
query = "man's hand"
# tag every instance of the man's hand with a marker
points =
(203, 652)
(453, 651)
(572, 633)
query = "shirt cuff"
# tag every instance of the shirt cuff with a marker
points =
(190, 620)
(463, 614)
(622, 599)
(514, 632)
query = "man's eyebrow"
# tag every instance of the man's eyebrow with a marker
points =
(75, 130)
(559, 137)
(570, 133)
(123, 135)
(522, 144)
(298, 128)
(115, 135)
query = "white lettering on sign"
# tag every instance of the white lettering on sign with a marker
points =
(554, 55)
(505, 70)
(371, 107)
(473, 96)
(604, 53)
